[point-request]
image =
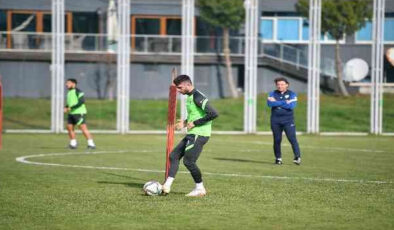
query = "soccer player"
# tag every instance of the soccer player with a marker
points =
(282, 103)
(198, 123)
(76, 109)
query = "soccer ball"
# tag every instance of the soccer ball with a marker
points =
(152, 188)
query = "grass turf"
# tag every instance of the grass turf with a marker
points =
(50, 197)
(337, 114)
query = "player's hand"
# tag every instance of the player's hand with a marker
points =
(66, 109)
(271, 99)
(180, 125)
(190, 125)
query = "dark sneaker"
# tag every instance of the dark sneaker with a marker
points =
(72, 146)
(91, 147)
(278, 161)
(297, 160)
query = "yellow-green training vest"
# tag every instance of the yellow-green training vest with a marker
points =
(194, 112)
(73, 96)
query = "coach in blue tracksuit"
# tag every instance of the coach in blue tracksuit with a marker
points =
(282, 103)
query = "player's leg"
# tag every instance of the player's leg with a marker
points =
(192, 152)
(85, 131)
(176, 154)
(290, 130)
(277, 130)
(71, 132)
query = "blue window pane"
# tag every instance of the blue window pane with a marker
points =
(266, 29)
(389, 29)
(365, 33)
(305, 30)
(288, 29)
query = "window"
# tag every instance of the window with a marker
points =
(3, 20)
(267, 29)
(174, 26)
(147, 26)
(24, 22)
(154, 25)
(389, 29)
(47, 22)
(29, 21)
(288, 30)
(365, 33)
(85, 22)
(160, 25)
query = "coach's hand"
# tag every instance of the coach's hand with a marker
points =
(271, 99)
(190, 125)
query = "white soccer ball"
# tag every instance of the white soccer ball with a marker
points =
(152, 188)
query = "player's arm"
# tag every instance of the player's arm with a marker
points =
(271, 102)
(210, 112)
(81, 99)
(291, 103)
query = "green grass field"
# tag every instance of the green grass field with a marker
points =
(338, 114)
(343, 183)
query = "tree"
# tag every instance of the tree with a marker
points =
(225, 14)
(340, 17)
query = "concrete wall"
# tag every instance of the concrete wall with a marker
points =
(147, 81)
(26, 79)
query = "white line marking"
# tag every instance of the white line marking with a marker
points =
(22, 159)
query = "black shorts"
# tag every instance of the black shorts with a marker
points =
(76, 119)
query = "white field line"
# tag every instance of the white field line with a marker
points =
(22, 159)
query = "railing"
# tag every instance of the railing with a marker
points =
(157, 44)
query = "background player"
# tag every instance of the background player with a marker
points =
(76, 109)
(199, 121)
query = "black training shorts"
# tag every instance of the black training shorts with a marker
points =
(76, 119)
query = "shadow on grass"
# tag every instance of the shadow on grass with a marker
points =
(128, 184)
(132, 185)
(120, 175)
(242, 160)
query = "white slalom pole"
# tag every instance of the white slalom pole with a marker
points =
(187, 60)
(57, 66)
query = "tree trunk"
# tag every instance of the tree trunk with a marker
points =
(226, 51)
(341, 88)
(110, 80)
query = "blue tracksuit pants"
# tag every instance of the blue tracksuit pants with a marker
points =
(288, 126)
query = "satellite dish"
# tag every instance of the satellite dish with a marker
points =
(355, 69)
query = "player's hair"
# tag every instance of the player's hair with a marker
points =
(182, 78)
(73, 80)
(281, 79)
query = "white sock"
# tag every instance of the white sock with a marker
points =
(169, 181)
(91, 143)
(73, 142)
(200, 186)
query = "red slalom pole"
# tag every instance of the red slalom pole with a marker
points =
(171, 117)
